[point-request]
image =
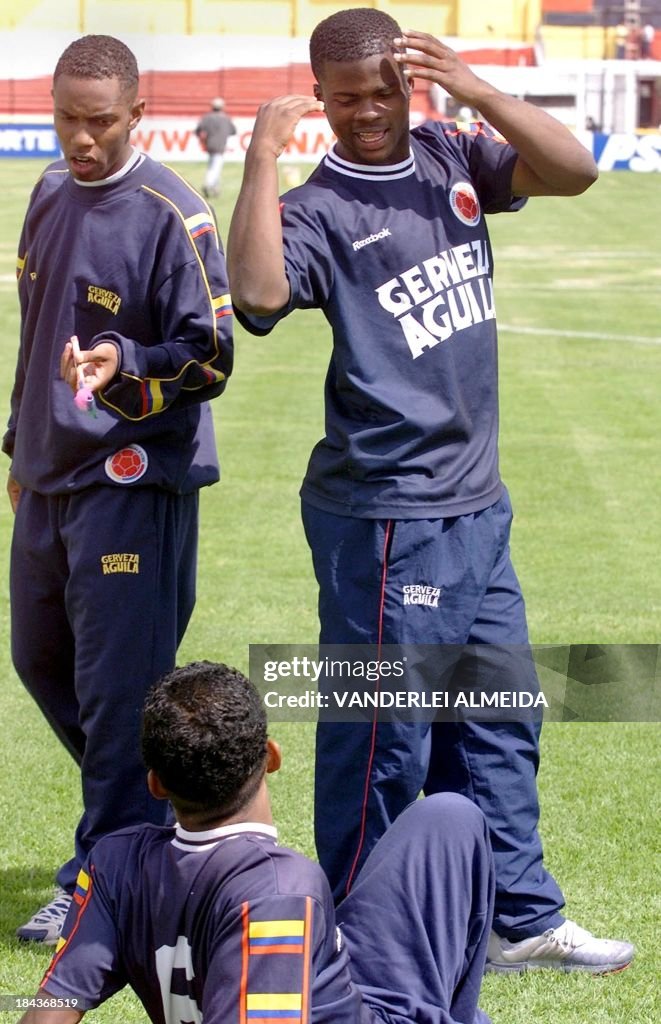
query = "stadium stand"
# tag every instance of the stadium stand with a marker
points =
(182, 71)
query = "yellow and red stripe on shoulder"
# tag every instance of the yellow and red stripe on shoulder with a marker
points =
(199, 224)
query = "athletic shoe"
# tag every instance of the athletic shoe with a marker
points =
(46, 925)
(566, 948)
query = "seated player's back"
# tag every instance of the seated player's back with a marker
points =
(203, 923)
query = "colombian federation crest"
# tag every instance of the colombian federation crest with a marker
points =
(127, 465)
(464, 203)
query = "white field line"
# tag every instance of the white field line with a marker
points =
(550, 332)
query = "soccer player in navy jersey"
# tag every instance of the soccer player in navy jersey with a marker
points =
(122, 253)
(403, 506)
(211, 920)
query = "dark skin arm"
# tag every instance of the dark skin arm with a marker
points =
(552, 162)
(255, 257)
(14, 492)
(50, 1015)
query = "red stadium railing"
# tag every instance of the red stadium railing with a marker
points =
(187, 93)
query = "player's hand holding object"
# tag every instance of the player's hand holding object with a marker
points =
(83, 397)
(87, 372)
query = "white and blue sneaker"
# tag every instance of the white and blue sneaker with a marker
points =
(46, 925)
(565, 948)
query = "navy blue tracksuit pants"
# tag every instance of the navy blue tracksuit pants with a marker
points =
(366, 773)
(418, 918)
(102, 587)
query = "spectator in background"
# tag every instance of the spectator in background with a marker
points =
(213, 131)
(646, 41)
(621, 36)
(466, 114)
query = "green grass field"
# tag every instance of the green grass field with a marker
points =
(578, 286)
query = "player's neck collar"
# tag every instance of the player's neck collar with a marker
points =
(134, 160)
(370, 172)
(186, 840)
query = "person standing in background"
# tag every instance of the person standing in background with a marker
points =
(646, 41)
(213, 131)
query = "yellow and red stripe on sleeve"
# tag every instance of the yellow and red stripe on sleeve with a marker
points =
(81, 897)
(222, 306)
(274, 1007)
(275, 937)
(284, 942)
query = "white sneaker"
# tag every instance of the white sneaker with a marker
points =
(566, 948)
(46, 925)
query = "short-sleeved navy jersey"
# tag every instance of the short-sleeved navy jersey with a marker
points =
(398, 258)
(222, 926)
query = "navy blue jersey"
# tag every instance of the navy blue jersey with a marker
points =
(222, 926)
(398, 258)
(136, 262)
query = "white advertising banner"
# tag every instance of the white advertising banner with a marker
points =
(171, 139)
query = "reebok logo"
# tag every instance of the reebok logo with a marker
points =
(384, 233)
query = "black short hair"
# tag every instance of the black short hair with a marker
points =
(99, 57)
(352, 35)
(204, 735)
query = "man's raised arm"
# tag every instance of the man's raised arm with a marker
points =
(552, 162)
(255, 259)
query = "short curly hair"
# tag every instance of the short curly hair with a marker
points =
(352, 35)
(204, 735)
(99, 57)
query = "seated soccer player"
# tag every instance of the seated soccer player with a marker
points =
(211, 920)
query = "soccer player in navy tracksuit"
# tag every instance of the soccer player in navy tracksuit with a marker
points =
(211, 920)
(403, 506)
(121, 252)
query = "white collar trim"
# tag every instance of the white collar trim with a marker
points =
(186, 840)
(133, 161)
(370, 172)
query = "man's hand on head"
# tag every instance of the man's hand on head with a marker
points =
(277, 120)
(424, 56)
